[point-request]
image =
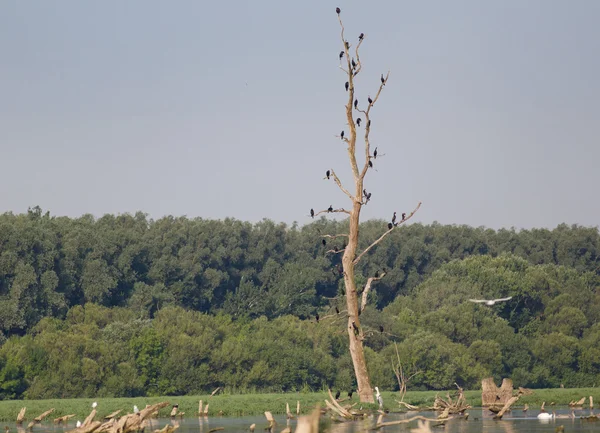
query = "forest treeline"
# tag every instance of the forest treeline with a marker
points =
(125, 305)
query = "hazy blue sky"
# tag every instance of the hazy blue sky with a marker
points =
(230, 109)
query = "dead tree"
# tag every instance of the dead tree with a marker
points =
(358, 198)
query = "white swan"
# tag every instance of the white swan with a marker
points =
(546, 415)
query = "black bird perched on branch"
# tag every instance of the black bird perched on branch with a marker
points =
(394, 218)
(368, 197)
(341, 55)
(382, 80)
(342, 135)
(337, 395)
(358, 120)
(330, 209)
(381, 329)
(375, 154)
(337, 310)
(350, 393)
(390, 226)
(347, 85)
(356, 103)
(403, 216)
(324, 242)
(353, 64)
(370, 163)
(376, 274)
(347, 45)
(327, 174)
(361, 36)
(312, 213)
(370, 100)
(336, 249)
(317, 317)
(338, 10)
(356, 330)
(369, 123)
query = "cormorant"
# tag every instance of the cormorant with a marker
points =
(370, 100)
(347, 85)
(353, 64)
(327, 174)
(330, 208)
(358, 121)
(317, 317)
(376, 274)
(338, 10)
(342, 135)
(382, 80)
(356, 330)
(341, 55)
(347, 45)
(350, 393)
(324, 242)
(375, 154)
(337, 395)
(390, 226)
(370, 163)
(381, 329)
(336, 249)
(361, 36)
(403, 216)
(312, 213)
(394, 218)
(369, 123)
(356, 103)
(337, 310)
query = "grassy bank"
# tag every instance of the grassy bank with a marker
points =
(255, 404)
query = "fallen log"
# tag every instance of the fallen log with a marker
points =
(114, 414)
(169, 428)
(87, 429)
(41, 417)
(506, 407)
(89, 418)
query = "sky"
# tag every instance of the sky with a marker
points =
(490, 117)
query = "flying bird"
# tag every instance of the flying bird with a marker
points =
(338, 10)
(375, 154)
(490, 302)
(312, 213)
(370, 100)
(361, 36)
(347, 85)
(358, 121)
(330, 209)
(356, 103)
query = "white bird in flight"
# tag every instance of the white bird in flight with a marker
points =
(490, 301)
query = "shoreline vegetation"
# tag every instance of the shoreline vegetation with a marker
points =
(256, 404)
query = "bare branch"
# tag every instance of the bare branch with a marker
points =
(367, 289)
(368, 127)
(335, 252)
(409, 216)
(339, 183)
(335, 236)
(340, 210)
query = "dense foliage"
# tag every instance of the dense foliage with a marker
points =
(125, 306)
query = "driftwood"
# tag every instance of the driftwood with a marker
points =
(169, 428)
(89, 418)
(453, 406)
(525, 408)
(408, 406)
(506, 407)
(174, 411)
(202, 411)
(298, 408)
(114, 414)
(525, 391)
(422, 427)
(309, 423)
(335, 407)
(125, 424)
(406, 421)
(63, 419)
(215, 391)
(491, 395)
(252, 427)
(21, 416)
(288, 414)
(591, 402)
(579, 402)
(41, 417)
(216, 429)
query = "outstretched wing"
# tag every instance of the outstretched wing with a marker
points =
(479, 301)
(503, 299)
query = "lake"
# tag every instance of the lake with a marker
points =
(480, 420)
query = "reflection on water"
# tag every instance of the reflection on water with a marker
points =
(480, 421)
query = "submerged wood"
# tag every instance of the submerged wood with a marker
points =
(63, 419)
(309, 423)
(578, 402)
(406, 421)
(216, 429)
(270, 419)
(288, 413)
(408, 406)
(93, 426)
(422, 427)
(298, 408)
(169, 428)
(459, 405)
(21, 415)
